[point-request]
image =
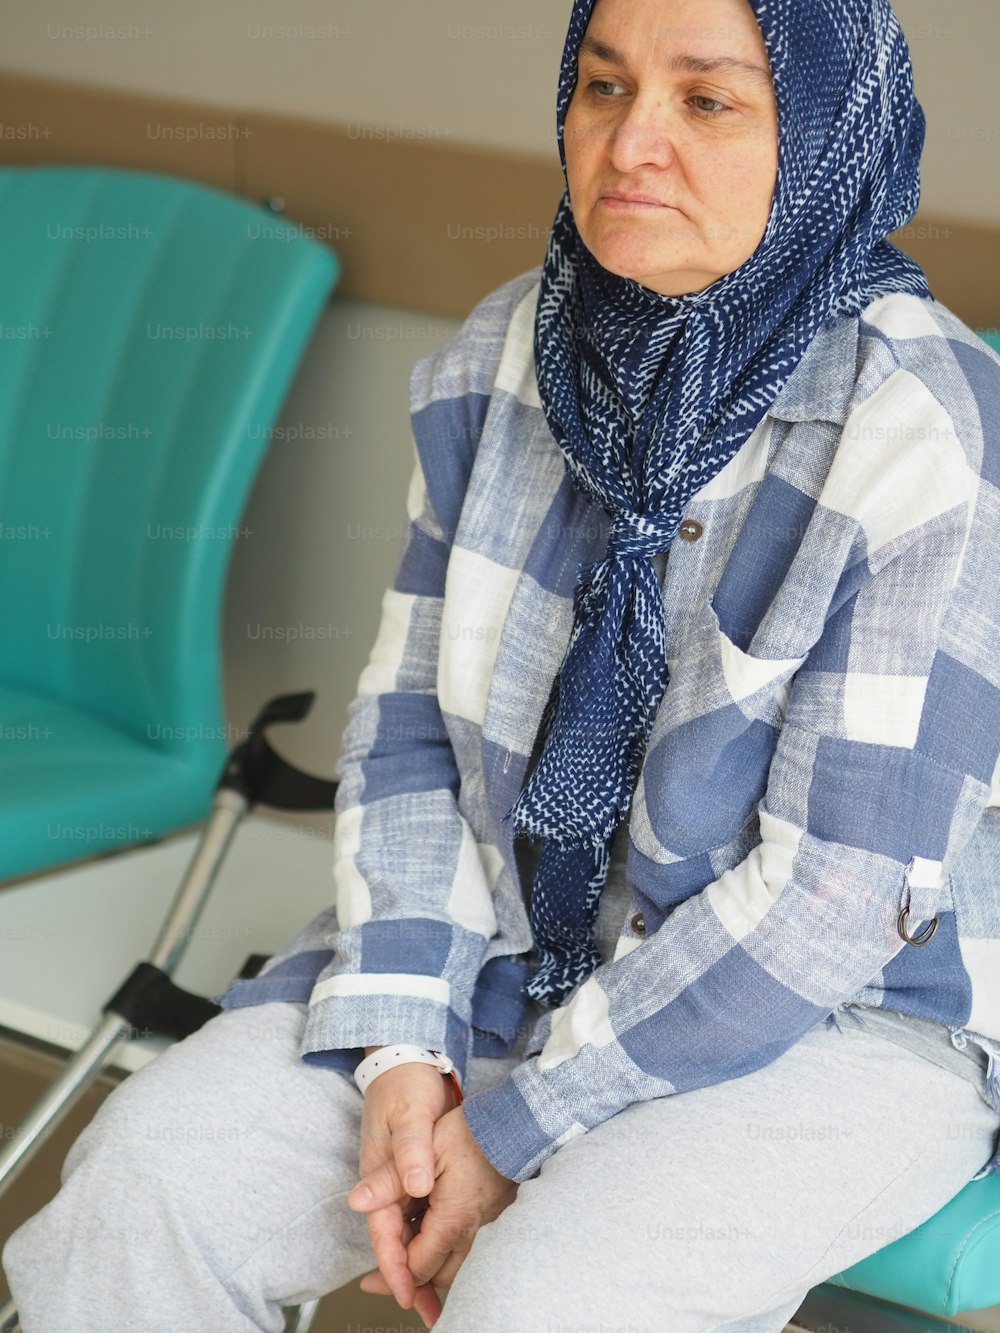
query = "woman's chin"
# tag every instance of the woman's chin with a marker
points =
(661, 273)
(665, 282)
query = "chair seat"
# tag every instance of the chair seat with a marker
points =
(948, 1264)
(82, 785)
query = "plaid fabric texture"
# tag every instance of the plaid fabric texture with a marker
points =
(825, 755)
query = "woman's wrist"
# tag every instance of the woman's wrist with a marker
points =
(369, 1069)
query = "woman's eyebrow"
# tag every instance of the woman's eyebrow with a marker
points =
(705, 65)
(686, 64)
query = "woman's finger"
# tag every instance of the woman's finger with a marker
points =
(378, 1188)
(386, 1230)
(402, 1106)
(375, 1283)
(427, 1304)
(448, 1271)
(431, 1249)
(413, 1151)
(426, 1301)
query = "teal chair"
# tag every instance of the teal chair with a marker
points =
(948, 1264)
(151, 329)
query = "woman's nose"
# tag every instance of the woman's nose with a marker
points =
(642, 137)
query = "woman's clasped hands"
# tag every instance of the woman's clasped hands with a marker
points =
(415, 1146)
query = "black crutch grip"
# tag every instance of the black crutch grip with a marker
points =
(152, 1004)
(259, 773)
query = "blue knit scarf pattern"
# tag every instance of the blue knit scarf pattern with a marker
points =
(649, 396)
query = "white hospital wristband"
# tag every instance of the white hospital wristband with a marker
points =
(387, 1057)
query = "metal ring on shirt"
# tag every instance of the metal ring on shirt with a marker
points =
(923, 937)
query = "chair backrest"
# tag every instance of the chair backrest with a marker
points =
(151, 327)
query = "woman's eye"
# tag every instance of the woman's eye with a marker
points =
(605, 87)
(708, 105)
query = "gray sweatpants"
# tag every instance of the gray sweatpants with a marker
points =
(209, 1191)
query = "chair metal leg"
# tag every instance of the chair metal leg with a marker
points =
(228, 807)
(299, 1319)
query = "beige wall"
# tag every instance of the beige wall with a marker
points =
(470, 72)
(434, 67)
(955, 45)
(324, 523)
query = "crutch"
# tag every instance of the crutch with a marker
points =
(148, 1001)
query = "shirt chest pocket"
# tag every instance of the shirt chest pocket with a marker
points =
(711, 749)
(758, 686)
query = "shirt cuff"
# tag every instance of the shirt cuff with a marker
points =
(506, 1121)
(340, 1026)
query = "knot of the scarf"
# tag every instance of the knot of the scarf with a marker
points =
(639, 536)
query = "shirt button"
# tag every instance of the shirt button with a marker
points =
(690, 529)
(638, 923)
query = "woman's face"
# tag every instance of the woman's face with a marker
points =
(671, 141)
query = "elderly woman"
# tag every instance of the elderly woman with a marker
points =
(700, 598)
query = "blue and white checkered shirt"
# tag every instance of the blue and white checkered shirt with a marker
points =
(825, 754)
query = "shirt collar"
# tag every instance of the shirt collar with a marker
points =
(823, 383)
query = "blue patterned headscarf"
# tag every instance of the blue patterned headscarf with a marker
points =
(649, 396)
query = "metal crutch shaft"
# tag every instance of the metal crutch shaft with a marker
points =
(301, 1318)
(80, 1070)
(61, 1095)
(254, 772)
(228, 808)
